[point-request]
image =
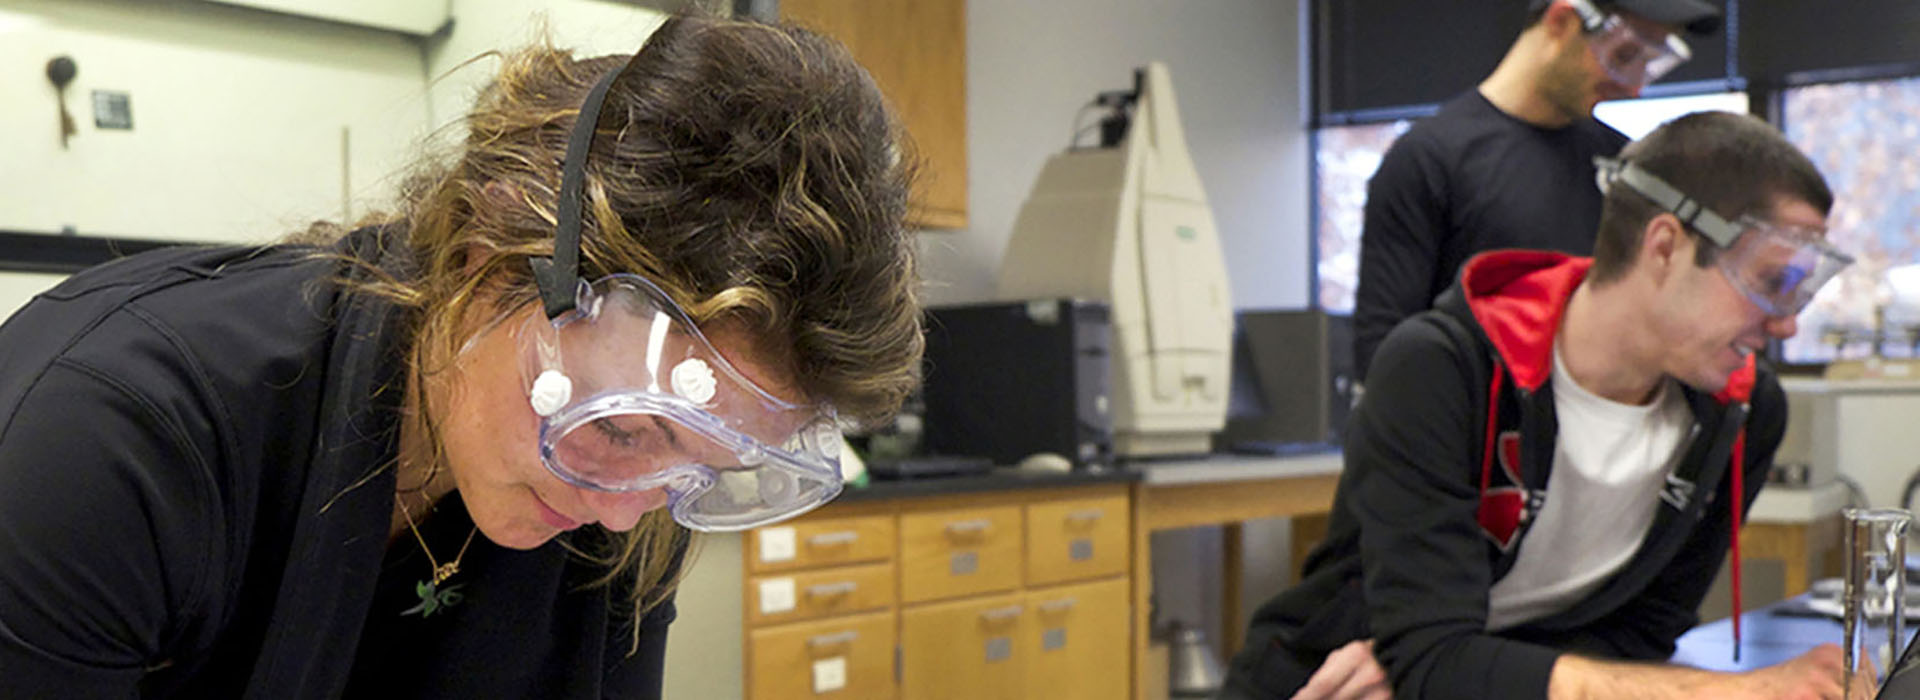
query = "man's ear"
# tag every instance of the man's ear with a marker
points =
(1560, 21)
(1663, 244)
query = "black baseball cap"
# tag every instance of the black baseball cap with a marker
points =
(1695, 16)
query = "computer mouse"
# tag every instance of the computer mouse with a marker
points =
(1046, 462)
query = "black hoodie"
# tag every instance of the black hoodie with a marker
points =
(1435, 502)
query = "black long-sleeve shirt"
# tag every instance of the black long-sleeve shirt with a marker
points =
(193, 504)
(1469, 179)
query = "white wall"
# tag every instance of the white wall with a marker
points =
(1235, 67)
(17, 287)
(237, 118)
(589, 27)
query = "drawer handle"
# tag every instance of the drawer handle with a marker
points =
(827, 589)
(998, 614)
(826, 539)
(827, 640)
(1057, 605)
(965, 527)
(1084, 516)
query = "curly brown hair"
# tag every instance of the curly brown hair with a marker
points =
(750, 170)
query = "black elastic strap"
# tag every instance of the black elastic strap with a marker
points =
(559, 276)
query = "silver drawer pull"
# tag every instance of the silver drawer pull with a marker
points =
(827, 589)
(998, 614)
(1058, 605)
(1088, 515)
(969, 526)
(826, 539)
(827, 640)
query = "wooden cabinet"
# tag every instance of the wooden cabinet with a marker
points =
(965, 649)
(1076, 539)
(916, 51)
(1075, 639)
(1003, 594)
(841, 658)
(948, 553)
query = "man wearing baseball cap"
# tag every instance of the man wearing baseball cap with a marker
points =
(1509, 165)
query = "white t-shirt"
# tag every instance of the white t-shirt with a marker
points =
(1609, 462)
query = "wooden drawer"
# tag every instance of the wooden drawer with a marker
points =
(970, 649)
(1078, 539)
(1075, 637)
(951, 553)
(805, 660)
(812, 594)
(808, 543)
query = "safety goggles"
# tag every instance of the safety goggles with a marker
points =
(1631, 58)
(1777, 267)
(633, 397)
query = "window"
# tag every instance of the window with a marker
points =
(1344, 158)
(1860, 135)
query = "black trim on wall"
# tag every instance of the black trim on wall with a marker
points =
(58, 253)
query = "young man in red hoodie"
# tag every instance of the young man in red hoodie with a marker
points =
(1550, 465)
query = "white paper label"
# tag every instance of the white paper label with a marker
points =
(829, 674)
(776, 596)
(776, 544)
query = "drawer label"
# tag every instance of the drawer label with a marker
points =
(1053, 638)
(1080, 549)
(829, 675)
(776, 596)
(999, 649)
(776, 544)
(964, 563)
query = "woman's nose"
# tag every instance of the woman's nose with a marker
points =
(619, 512)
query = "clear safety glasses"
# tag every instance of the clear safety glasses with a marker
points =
(1777, 267)
(633, 397)
(1631, 58)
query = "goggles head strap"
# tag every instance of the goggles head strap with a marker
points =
(1690, 212)
(559, 276)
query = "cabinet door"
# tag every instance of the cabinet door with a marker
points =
(971, 649)
(807, 595)
(952, 553)
(1078, 539)
(916, 51)
(810, 542)
(1076, 641)
(849, 657)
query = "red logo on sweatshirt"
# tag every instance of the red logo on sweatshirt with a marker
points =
(1504, 506)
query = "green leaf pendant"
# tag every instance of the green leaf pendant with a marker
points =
(433, 598)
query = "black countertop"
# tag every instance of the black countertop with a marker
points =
(999, 479)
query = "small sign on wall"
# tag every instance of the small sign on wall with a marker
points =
(112, 109)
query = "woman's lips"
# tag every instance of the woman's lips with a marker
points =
(552, 517)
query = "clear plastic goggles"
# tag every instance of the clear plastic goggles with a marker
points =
(1631, 58)
(633, 397)
(1777, 267)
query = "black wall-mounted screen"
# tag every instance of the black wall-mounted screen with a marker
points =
(1379, 56)
(1789, 41)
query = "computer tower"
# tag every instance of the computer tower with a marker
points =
(1292, 379)
(1006, 380)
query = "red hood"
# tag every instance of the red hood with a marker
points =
(1517, 297)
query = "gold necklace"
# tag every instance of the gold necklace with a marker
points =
(433, 598)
